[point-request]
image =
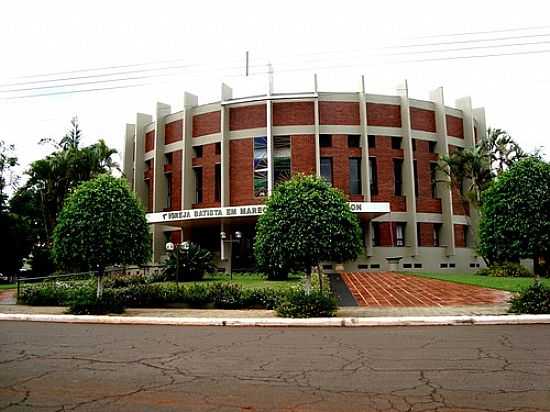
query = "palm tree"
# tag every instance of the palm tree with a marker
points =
(477, 166)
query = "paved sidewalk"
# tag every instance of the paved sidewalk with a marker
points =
(351, 311)
(389, 289)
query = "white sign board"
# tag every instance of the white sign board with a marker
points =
(249, 210)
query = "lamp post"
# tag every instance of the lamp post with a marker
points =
(235, 239)
(184, 246)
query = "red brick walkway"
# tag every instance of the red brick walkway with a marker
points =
(394, 289)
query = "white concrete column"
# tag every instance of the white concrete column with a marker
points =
(408, 169)
(316, 128)
(159, 186)
(365, 171)
(269, 123)
(128, 161)
(187, 179)
(139, 152)
(479, 118)
(444, 182)
(465, 104)
(226, 94)
(159, 179)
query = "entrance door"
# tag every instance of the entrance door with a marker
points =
(242, 253)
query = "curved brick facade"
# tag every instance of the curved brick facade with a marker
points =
(385, 151)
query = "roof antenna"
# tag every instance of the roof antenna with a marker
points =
(246, 64)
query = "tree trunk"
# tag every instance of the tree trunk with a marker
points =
(320, 278)
(308, 280)
(536, 267)
(99, 283)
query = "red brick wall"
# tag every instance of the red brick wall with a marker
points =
(175, 180)
(206, 123)
(247, 117)
(293, 113)
(426, 234)
(459, 235)
(424, 201)
(149, 141)
(422, 119)
(173, 131)
(340, 153)
(339, 113)
(388, 115)
(455, 126)
(302, 154)
(208, 163)
(384, 162)
(240, 173)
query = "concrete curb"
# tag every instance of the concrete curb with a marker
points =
(324, 322)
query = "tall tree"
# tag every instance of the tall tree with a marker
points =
(8, 161)
(515, 214)
(51, 179)
(473, 168)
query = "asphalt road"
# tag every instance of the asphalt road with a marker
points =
(54, 367)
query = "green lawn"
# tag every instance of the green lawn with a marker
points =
(509, 284)
(252, 281)
(8, 286)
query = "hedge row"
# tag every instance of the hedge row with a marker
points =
(80, 298)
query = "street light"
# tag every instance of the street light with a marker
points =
(238, 236)
(184, 246)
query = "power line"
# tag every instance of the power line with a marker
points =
(238, 67)
(185, 66)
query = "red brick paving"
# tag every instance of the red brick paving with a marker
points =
(394, 289)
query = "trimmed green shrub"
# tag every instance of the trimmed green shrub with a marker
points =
(88, 304)
(535, 299)
(196, 295)
(508, 269)
(299, 304)
(265, 298)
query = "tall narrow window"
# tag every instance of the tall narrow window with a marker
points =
(396, 142)
(198, 184)
(372, 140)
(354, 140)
(281, 159)
(197, 151)
(218, 148)
(373, 176)
(433, 179)
(260, 166)
(436, 234)
(431, 146)
(218, 182)
(326, 169)
(325, 140)
(168, 191)
(400, 234)
(415, 172)
(355, 175)
(398, 176)
(413, 140)
(375, 234)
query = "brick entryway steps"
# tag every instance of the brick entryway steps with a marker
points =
(394, 289)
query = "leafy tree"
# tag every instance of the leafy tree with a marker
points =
(305, 222)
(50, 180)
(188, 265)
(14, 242)
(515, 214)
(473, 168)
(8, 161)
(101, 224)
